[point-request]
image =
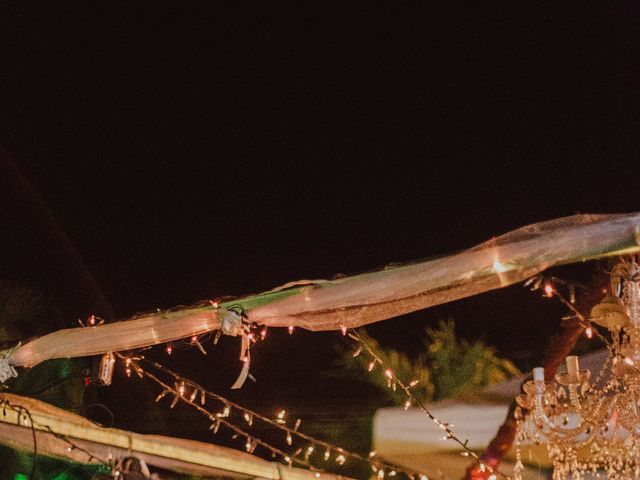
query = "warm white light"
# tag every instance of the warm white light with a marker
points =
(499, 267)
(548, 290)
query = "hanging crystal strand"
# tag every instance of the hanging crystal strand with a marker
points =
(574, 398)
(518, 468)
(632, 297)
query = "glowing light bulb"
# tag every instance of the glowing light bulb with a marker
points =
(548, 290)
(589, 332)
(291, 327)
(343, 329)
(169, 349)
(388, 373)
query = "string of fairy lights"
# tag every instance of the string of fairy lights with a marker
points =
(25, 418)
(394, 383)
(550, 287)
(195, 396)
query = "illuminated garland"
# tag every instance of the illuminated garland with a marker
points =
(24, 416)
(549, 286)
(194, 395)
(394, 382)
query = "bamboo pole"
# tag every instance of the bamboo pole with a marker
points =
(55, 429)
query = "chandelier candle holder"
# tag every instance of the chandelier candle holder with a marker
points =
(592, 428)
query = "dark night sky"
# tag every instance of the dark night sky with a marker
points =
(192, 150)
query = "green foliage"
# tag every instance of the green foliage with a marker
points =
(400, 364)
(448, 368)
(459, 367)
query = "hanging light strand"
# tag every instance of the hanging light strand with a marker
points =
(550, 286)
(393, 380)
(313, 444)
(219, 419)
(24, 414)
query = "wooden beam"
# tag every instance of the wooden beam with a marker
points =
(176, 454)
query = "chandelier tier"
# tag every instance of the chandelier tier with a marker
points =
(591, 427)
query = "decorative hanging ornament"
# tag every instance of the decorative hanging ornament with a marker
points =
(104, 373)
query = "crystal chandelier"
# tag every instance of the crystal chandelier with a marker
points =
(591, 427)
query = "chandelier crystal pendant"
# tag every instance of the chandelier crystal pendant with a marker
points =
(591, 427)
